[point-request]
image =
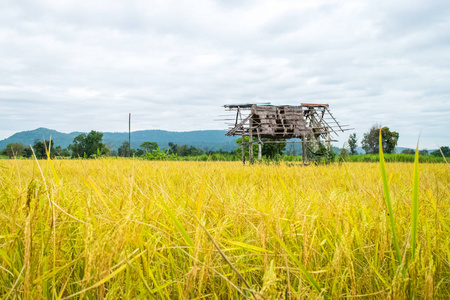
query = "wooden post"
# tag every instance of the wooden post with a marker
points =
(304, 158)
(259, 151)
(250, 142)
(243, 149)
(328, 145)
(328, 142)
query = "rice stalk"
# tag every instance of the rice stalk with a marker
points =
(415, 204)
(330, 221)
(387, 198)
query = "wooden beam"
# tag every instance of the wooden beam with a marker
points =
(238, 126)
(289, 142)
(334, 119)
(314, 104)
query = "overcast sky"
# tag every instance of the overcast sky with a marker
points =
(83, 65)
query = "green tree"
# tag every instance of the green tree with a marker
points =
(353, 144)
(408, 151)
(149, 146)
(271, 150)
(370, 141)
(193, 151)
(124, 150)
(78, 146)
(445, 150)
(246, 139)
(185, 150)
(94, 145)
(41, 148)
(173, 148)
(423, 152)
(88, 145)
(14, 150)
(27, 152)
(321, 155)
(343, 153)
(59, 151)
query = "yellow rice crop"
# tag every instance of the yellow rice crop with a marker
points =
(134, 229)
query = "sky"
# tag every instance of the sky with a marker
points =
(84, 65)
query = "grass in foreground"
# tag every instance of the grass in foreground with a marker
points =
(133, 229)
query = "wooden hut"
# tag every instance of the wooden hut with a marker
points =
(311, 123)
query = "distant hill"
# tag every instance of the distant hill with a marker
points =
(204, 139)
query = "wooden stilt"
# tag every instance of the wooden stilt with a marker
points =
(328, 142)
(304, 158)
(259, 151)
(250, 143)
(243, 149)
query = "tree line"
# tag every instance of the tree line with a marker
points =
(370, 143)
(91, 146)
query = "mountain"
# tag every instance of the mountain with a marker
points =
(204, 139)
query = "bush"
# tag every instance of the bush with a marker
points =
(393, 158)
(159, 155)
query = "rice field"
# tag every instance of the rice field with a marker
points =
(129, 229)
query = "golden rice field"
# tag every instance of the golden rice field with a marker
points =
(129, 229)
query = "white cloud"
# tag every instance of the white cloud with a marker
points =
(82, 65)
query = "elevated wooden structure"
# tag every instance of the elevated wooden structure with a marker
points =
(309, 122)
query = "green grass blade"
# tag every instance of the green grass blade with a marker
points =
(305, 272)
(226, 259)
(106, 279)
(247, 246)
(55, 174)
(388, 199)
(199, 203)
(415, 203)
(178, 224)
(138, 270)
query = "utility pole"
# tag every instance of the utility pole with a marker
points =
(129, 135)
